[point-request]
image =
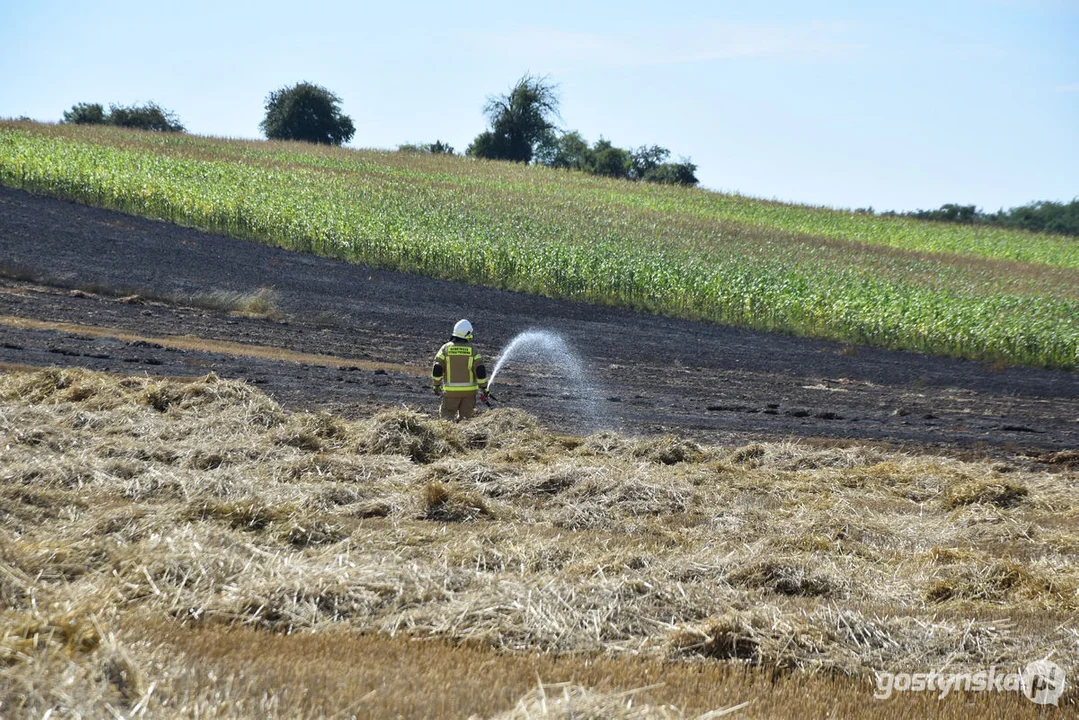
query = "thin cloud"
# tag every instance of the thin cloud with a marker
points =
(705, 42)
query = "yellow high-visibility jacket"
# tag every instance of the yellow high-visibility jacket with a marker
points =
(458, 368)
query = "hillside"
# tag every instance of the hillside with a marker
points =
(974, 292)
(102, 290)
(232, 500)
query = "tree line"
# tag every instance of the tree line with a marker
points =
(522, 128)
(1046, 216)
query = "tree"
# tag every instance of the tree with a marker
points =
(609, 160)
(520, 120)
(150, 116)
(306, 112)
(644, 160)
(488, 146)
(569, 152)
(649, 164)
(436, 148)
(950, 212)
(681, 173)
(1041, 216)
(85, 114)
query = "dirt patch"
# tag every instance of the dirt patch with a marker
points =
(190, 342)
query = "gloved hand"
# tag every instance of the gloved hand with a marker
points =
(438, 391)
(483, 397)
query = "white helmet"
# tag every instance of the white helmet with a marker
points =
(463, 330)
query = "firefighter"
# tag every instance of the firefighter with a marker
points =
(458, 374)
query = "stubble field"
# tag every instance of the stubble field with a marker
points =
(192, 549)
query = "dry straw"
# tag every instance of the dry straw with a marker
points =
(132, 509)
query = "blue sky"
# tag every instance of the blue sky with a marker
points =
(894, 105)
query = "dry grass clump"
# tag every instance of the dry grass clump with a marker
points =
(567, 701)
(260, 303)
(731, 636)
(62, 657)
(333, 466)
(71, 629)
(663, 450)
(103, 681)
(93, 391)
(604, 444)
(286, 522)
(828, 638)
(630, 491)
(550, 481)
(669, 450)
(786, 576)
(71, 385)
(203, 504)
(793, 456)
(777, 640)
(405, 432)
(314, 431)
(1001, 492)
(212, 392)
(491, 478)
(1002, 581)
(452, 504)
(503, 427)
(749, 454)
(263, 302)
(242, 515)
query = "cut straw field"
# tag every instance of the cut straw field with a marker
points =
(976, 292)
(192, 549)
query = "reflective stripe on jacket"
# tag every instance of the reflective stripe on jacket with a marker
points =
(458, 368)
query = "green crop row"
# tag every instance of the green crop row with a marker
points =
(685, 253)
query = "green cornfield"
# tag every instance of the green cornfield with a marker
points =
(982, 293)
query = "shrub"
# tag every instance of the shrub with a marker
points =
(150, 116)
